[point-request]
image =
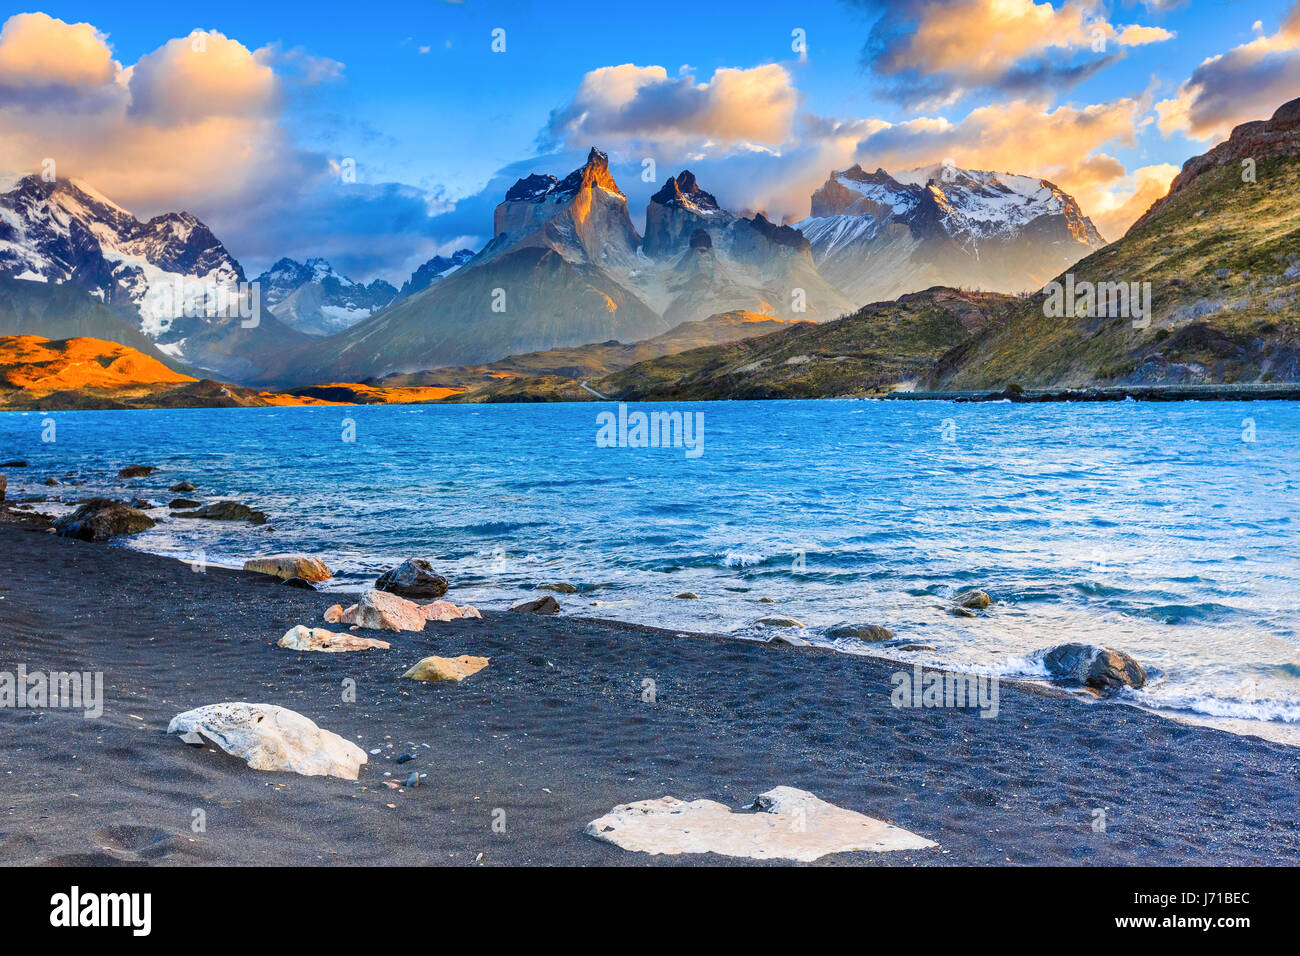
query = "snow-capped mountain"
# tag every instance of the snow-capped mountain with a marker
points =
(878, 236)
(65, 231)
(439, 267)
(312, 298)
(698, 259)
(169, 277)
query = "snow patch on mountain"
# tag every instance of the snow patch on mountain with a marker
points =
(162, 269)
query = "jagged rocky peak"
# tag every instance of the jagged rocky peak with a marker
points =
(676, 212)
(594, 174)
(538, 187)
(782, 235)
(439, 267)
(683, 190)
(532, 188)
(854, 191)
(583, 216)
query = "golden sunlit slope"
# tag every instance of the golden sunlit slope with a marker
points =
(38, 366)
(36, 372)
(356, 393)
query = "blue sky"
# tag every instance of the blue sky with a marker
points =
(437, 123)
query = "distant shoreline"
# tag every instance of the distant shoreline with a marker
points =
(1116, 393)
(1099, 393)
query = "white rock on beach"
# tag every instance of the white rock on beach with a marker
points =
(285, 566)
(269, 737)
(791, 824)
(303, 638)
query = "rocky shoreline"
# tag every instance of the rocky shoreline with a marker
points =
(1117, 393)
(433, 733)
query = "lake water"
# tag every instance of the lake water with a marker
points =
(1165, 530)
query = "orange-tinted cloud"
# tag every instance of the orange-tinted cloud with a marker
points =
(38, 51)
(190, 79)
(1247, 83)
(630, 102)
(938, 51)
(193, 124)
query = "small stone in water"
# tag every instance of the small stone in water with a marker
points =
(405, 757)
(413, 780)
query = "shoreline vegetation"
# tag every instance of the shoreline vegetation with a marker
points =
(524, 731)
(91, 375)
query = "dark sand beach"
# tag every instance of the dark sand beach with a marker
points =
(555, 733)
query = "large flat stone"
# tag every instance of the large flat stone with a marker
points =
(269, 737)
(790, 824)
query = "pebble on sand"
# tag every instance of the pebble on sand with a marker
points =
(413, 578)
(546, 605)
(1099, 668)
(446, 611)
(867, 633)
(102, 518)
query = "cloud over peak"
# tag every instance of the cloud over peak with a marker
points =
(1248, 82)
(940, 51)
(630, 102)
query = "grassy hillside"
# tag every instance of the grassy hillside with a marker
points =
(500, 381)
(872, 351)
(1223, 260)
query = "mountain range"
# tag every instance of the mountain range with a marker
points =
(565, 267)
(877, 236)
(1221, 253)
(1217, 260)
(568, 300)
